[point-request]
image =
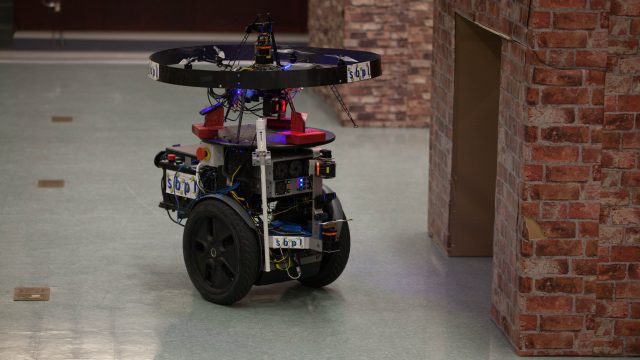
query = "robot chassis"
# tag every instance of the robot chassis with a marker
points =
(256, 209)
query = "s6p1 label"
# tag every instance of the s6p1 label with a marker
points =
(181, 184)
(288, 242)
(154, 70)
(359, 71)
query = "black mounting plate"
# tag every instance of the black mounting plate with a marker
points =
(312, 67)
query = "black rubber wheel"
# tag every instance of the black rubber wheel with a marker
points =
(221, 252)
(332, 263)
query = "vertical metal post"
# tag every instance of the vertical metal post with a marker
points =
(317, 193)
(263, 156)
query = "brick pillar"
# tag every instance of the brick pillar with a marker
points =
(511, 137)
(509, 176)
(441, 130)
(567, 225)
(617, 324)
(565, 97)
(400, 31)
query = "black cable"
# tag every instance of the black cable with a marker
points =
(162, 181)
(255, 113)
(172, 219)
(244, 40)
(344, 106)
(209, 98)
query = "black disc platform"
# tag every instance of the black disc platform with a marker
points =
(196, 66)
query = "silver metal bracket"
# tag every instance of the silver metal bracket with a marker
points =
(262, 154)
(261, 158)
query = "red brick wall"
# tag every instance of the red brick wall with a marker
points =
(566, 243)
(508, 20)
(509, 175)
(618, 280)
(326, 23)
(400, 31)
(441, 130)
(565, 94)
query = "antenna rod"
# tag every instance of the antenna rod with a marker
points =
(273, 40)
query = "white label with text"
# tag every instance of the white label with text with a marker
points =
(358, 72)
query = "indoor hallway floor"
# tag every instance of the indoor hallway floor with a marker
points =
(113, 260)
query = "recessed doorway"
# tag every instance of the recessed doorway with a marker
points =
(475, 139)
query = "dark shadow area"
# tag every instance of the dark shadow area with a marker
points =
(475, 139)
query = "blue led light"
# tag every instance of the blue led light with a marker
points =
(286, 67)
(208, 109)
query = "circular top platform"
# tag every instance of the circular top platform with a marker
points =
(300, 67)
(275, 141)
